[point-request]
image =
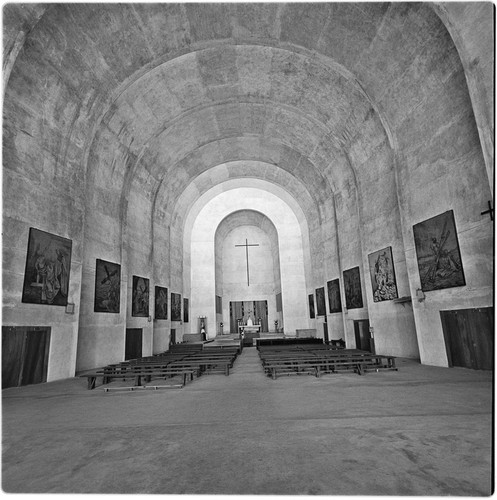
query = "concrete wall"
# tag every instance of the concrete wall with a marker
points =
(291, 255)
(370, 119)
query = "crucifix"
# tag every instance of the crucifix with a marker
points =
(490, 211)
(246, 252)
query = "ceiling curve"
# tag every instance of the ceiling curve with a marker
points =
(147, 97)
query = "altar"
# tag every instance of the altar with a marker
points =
(248, 332)
(249, 328)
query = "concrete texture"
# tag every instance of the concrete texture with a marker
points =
(120, 118)
(419, 431)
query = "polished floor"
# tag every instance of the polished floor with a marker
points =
(419, 431)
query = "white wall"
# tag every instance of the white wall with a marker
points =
(202, 248)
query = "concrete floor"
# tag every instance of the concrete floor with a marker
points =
(419, 431)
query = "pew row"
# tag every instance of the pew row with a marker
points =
(183, 365)
(320, 362)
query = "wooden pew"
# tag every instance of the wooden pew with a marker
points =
(135, 372)
(294, 361)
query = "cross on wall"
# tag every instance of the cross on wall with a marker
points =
(246, 253)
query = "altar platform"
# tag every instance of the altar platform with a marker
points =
(249, 338)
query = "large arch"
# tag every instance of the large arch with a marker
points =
(202, 241)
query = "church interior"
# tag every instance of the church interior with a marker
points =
(205, 179)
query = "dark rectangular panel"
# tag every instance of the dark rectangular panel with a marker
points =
(320, 302)
(25, 352)
(12, 352)
(133, 348)
(35, 364)
(469, 337)
(262, 313)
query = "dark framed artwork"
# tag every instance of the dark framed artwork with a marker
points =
(139, 307)
(334, 299)
(311, 306)
(352, 287)
(438, 254)
(48, 262)
(175, 307)
(160, 302)
(320, 302)
(107, 287)
(219, 305)
(185, 311)
(382, 273)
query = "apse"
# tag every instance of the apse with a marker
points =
(283, 227)
(248, 267)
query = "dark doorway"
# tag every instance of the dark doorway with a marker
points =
(134, 338)
(24, 355)
(469, 337)
(325, 332)
(362, 335)
(172, 337)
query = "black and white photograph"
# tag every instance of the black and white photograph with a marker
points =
(269, 231)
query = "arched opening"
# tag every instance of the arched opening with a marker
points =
(290, 253)
(248, 273)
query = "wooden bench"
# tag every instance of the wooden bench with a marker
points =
(291, 367)
(206, 365)
(294, 361)
(136, 373)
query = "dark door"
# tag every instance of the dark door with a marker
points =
(362, 335)
(236, 313)
(469, 337)
(325, 331)
(25, 353)
(172, 337)
(261, 313)
(134, 337)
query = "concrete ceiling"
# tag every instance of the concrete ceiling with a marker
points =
(149, 97)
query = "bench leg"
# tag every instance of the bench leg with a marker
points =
(359, 369)
(92, 382)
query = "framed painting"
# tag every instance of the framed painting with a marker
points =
(334, 299)
(311, 306)
(46, 275)
(438, 254)
(160, 302)
(107, 287)
(219, 305)
(185, 311)
(175, 307)
(320, 302)
(352, 287)
(140, 297)
(382, 274)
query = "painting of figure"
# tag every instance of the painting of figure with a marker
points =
(311, 306)
(107, 287)
(334, 299)
(383, 275)
(353, 290)
(140, 297)
(437, 250)
(320, 302)
(175, 307)
(48, 262)
(185, 311)
(160, 302)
